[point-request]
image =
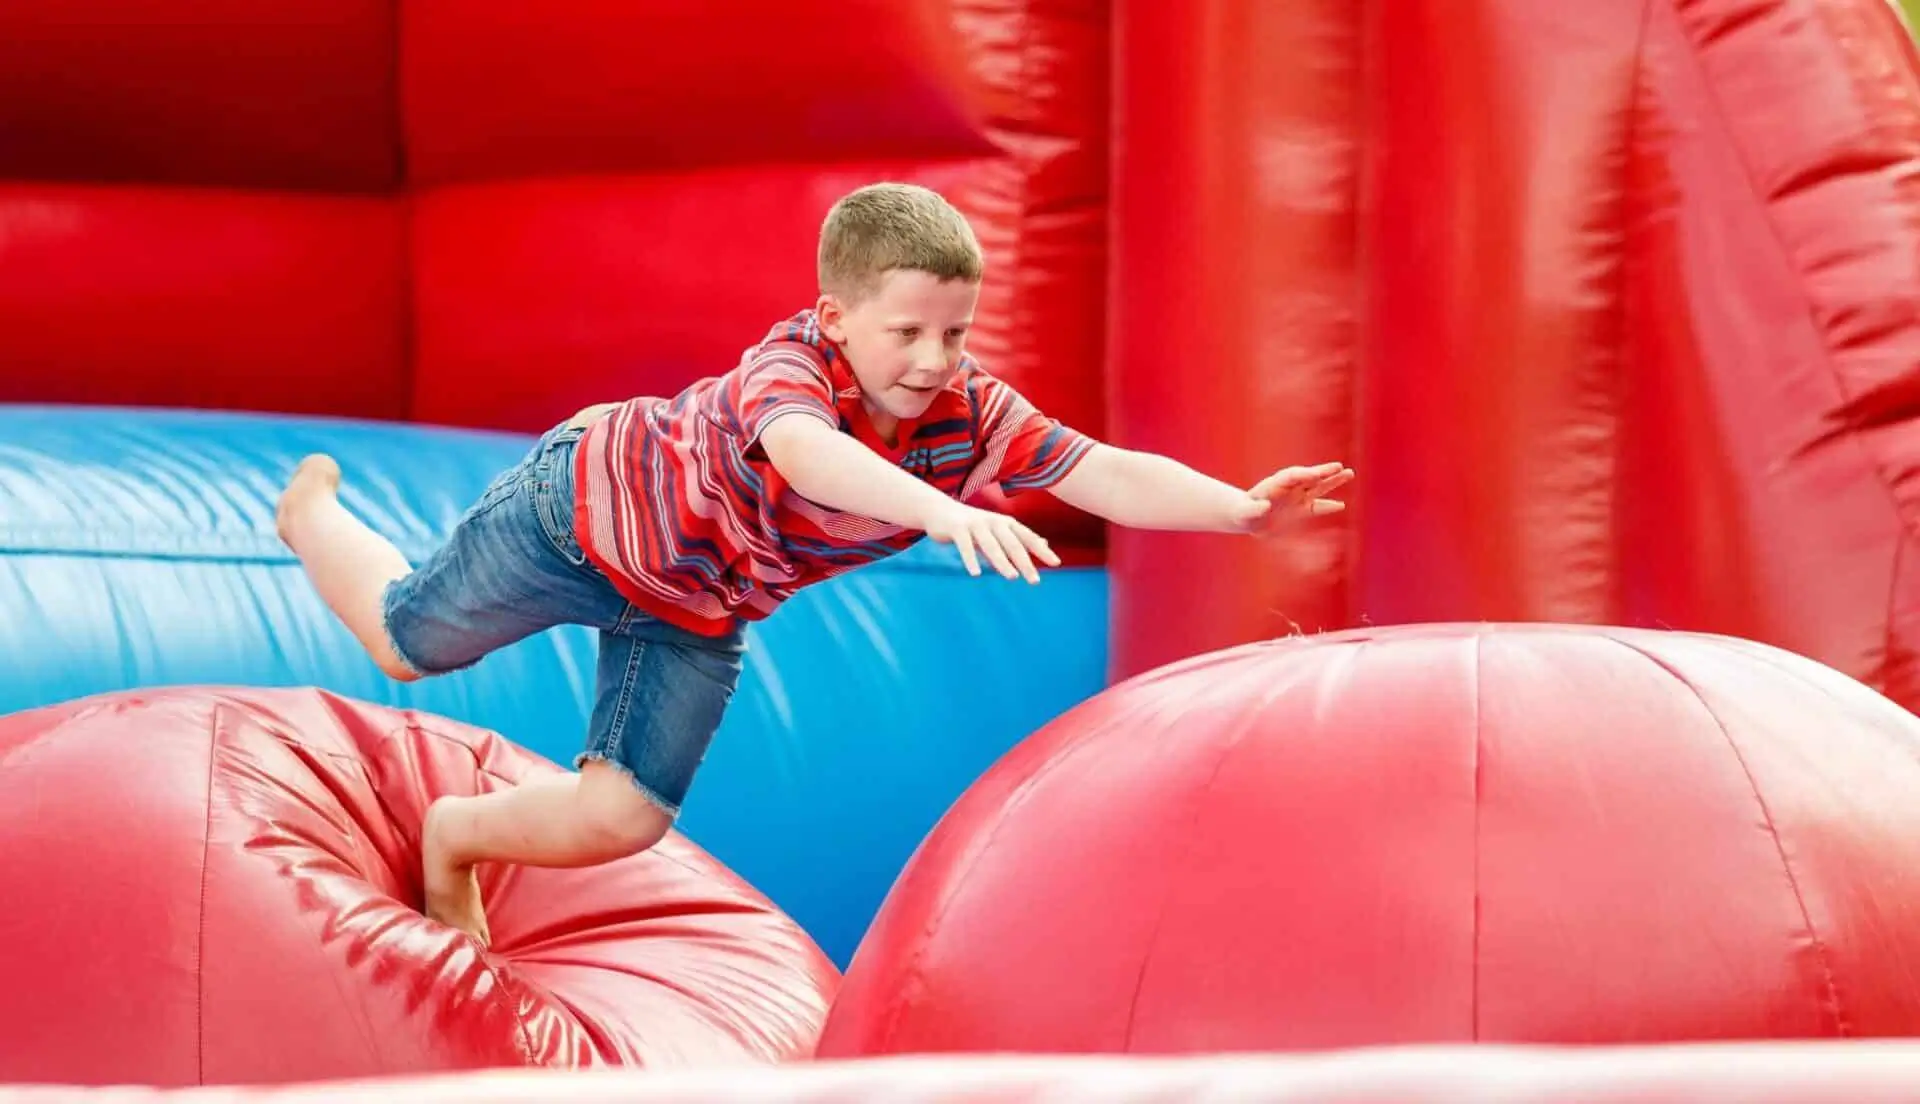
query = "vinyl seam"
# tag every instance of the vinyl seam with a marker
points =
(1833, 1005)
(218, 721)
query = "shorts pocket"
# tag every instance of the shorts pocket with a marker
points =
(553, 494)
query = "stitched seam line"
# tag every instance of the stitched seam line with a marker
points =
(1773, 833)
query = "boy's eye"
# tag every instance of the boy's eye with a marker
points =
(909, 333)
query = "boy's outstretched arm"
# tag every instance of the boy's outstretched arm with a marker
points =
(828, 467)
(1144, 490)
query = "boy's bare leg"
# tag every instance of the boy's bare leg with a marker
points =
(567, 820)
(350, 564)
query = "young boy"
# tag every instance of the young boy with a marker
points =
(848, 433)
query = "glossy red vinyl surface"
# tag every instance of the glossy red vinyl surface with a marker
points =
(1775, 251)
(224, 889)
(497, 89)
(1233, 327)
(1419, 834)
(1615, 312)
(297, 94)
(1495, 359)
(247, 301)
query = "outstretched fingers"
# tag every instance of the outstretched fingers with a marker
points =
(1013, 548)
(963, 543)
(1296, 480)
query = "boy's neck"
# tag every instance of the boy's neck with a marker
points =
(885, 425)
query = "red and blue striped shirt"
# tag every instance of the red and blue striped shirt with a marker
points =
(679, 506)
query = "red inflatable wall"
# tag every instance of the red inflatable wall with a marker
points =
(1612, 306)
(477, 215)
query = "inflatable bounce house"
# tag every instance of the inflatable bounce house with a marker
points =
(1577, 760)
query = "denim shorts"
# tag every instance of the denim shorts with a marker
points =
(513, 567)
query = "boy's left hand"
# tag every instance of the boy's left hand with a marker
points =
(1292, 493)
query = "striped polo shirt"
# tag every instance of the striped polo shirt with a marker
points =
(680, 507)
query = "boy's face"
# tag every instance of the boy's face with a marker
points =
(903, 342)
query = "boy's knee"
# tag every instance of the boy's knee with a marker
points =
(387, 658)
(616, 817)
(391, 666)
(616, 832)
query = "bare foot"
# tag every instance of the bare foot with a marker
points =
(316, 478)
(452, 891)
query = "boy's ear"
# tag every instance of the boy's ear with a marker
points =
(832, 316)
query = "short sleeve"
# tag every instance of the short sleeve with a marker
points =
(782, 378)
(1021, 448)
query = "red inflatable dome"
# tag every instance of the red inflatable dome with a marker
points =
(221, 887)
(1427, 834)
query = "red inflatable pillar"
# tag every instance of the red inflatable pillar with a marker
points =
(1232, 327)
(1496, 148)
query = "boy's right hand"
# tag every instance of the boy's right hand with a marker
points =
(1010, 546)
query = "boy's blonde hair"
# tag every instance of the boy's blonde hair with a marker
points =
(882, 227)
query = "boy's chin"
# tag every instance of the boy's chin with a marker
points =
(905, 404)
